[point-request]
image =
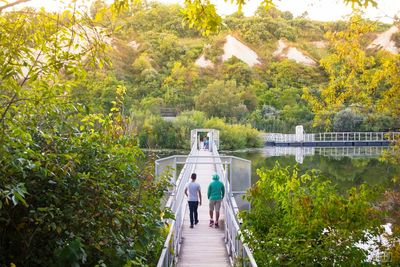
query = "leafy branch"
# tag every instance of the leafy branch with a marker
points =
(12, 4)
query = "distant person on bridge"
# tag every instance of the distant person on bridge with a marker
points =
(193, 192)
(215, 194)
(206, 143)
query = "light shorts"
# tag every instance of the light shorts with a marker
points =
(215, 204)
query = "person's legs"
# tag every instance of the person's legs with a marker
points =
(217, 208)
(191, 212)
(196, 216)
(211, 207)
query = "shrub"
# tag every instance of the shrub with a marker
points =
(302, 220)
(76, 193)
(235, 136)
(347, 120)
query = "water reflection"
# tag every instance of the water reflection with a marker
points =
(345, 167)
(335, 152)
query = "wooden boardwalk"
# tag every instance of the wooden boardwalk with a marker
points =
(203, 245)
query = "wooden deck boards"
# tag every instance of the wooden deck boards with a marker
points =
(203, 245)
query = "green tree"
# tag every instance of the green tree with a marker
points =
(75, 189)
(347, 121)
(235, 136)
(237, 70)
(180, 87)
(301, 220)
(202, 15)
(220, 99)
(351, 74)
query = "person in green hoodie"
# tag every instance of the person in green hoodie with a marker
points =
(215, 194)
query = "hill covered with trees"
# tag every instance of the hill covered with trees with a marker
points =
(163, 64)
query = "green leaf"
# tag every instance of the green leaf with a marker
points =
(17, 197)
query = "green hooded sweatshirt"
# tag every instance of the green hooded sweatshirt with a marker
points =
(216, 190)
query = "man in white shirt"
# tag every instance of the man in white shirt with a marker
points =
(193, 192)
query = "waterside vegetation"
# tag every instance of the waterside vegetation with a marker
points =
(82, 93)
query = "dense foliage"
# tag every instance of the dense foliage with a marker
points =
(74, 188)
(302, 220)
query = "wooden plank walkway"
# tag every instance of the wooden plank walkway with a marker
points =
(203, 245)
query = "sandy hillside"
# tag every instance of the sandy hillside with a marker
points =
(320, 44)
(384, 41)
(203, 62)
(284, 51)
(233, 47)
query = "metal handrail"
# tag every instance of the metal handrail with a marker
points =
(175, 202)
(235, 245)
(332, 137)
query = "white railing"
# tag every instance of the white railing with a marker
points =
(178, 207)
(239, 253)
(356, 136)
(237, 250)
(332, 137)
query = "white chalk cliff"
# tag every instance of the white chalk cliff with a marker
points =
(203, 62)
(284, 51)
(232, 48)
(384, 41)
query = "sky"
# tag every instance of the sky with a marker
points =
(323, 10)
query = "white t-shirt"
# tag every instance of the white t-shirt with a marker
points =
(193, 188)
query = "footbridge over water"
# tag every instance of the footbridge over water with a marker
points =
(204, 245)
(333, 139)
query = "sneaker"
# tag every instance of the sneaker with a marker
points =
(196, 222)
(191, 226)
(216, 225)
(211, 223)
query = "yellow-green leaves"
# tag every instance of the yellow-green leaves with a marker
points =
(121, 5)
(350, 71)
(362, 3)
(201, 15)
(362, 80)
(388, 74)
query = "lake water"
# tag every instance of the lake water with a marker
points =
(345, 167)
